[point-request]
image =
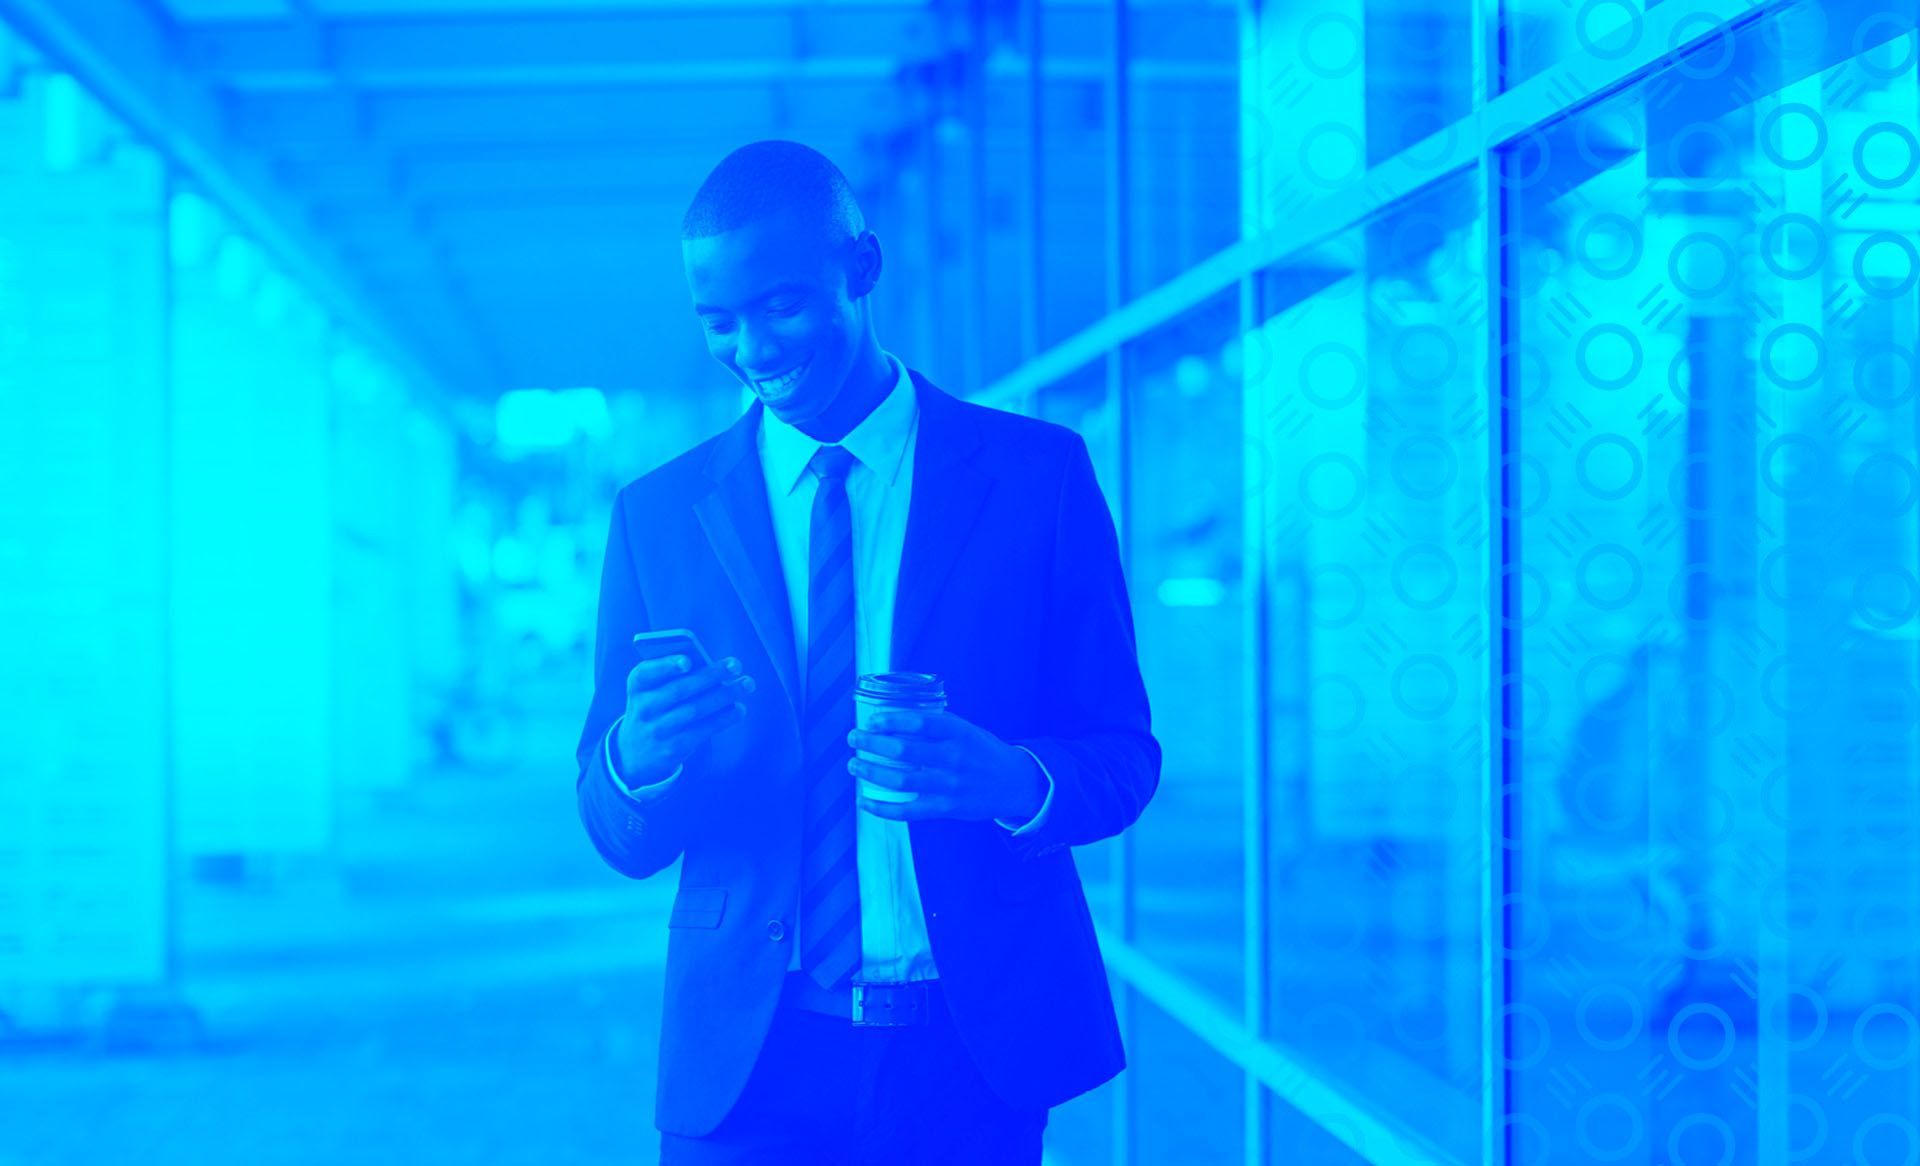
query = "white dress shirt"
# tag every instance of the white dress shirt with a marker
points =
(893, 930)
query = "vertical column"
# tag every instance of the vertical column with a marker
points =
(1033, 248)
(1498, 811)
(973, 94)
(1256, 637)
(1500, 792)
(83, 870)
(1116, 263)
(250, 556)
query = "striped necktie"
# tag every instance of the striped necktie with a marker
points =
(830, 886)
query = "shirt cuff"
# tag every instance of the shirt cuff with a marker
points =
(638, 793)
(1040, 816)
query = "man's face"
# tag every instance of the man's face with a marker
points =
(774, 303)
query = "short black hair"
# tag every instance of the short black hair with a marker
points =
(761, 179)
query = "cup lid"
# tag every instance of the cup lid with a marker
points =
(899, 682)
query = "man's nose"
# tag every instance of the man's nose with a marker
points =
(753, 351)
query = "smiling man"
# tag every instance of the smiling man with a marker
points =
(851, 979)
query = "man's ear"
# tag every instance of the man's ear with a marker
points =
(864, 272)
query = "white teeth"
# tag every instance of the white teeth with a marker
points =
(784, 380)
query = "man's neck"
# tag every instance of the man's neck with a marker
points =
(867, 384)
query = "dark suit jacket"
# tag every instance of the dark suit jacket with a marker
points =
(1010, 588)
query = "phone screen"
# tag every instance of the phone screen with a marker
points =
(673, 642)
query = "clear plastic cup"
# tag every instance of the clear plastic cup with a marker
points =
(888, 692)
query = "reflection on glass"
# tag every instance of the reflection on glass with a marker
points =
(1371, 460)
(1713, 489)
(1183, 82)
(1187, 1099)
(1340, 85)
(1184, 569)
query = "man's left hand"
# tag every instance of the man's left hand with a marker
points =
(957, 769)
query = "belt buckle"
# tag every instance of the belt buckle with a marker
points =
(890, 1006)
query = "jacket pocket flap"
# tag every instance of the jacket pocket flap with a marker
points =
(698, 907)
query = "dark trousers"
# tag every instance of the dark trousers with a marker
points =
(826, 1092)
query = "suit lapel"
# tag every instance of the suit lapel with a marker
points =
(948, 493)
(737, 523)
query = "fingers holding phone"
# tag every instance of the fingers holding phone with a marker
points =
(677, 697)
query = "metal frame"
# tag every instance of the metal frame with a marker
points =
(1543, 99)
(1033, 242)
(1497, 811)
(1256, 792)
(1271, 1067)
(1118, 127)
(1480, 140)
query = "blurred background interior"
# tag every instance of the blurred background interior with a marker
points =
(1507, 406)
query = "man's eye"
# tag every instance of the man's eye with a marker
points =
(783, 309)
(719, 327)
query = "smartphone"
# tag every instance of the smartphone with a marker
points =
(672, 642)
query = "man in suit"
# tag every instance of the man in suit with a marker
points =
(851, 979)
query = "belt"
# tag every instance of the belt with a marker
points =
(868, 1005)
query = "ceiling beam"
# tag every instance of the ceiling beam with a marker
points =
(338, 125)
(609, 49)
(637, 172)
(126, 57)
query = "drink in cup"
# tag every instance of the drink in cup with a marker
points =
(890, 692)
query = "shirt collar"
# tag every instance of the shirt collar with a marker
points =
(880, 442)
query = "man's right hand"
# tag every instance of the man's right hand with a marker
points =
(671, 711)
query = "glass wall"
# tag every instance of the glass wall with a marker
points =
(1371, 443)
(1713, 482)
(1521, 531)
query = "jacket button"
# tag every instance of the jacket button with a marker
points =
(776, 930)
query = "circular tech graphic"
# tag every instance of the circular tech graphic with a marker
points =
(1720, 1137)
(1606, 227)
(1424, 354)
(1331, 45)
(1696, 247)
(1424, 576)
(1608, 576)
(1332, 375)
(1337, 596)
(1532, 1035)
(1796, 124)
(1883, 375)
(1718, 1036)
(1424, 686)
(1775, 238)
(1608, 466)
(1609, 1127)
(1875, 248)
(1909, 149)
(1332, 485)
(1615, 349)
(1798, 347)
(1620, 27)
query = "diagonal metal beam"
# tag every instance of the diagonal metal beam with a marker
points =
(126, 56)
(1669, 31)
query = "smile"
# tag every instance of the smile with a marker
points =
(783, 382)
